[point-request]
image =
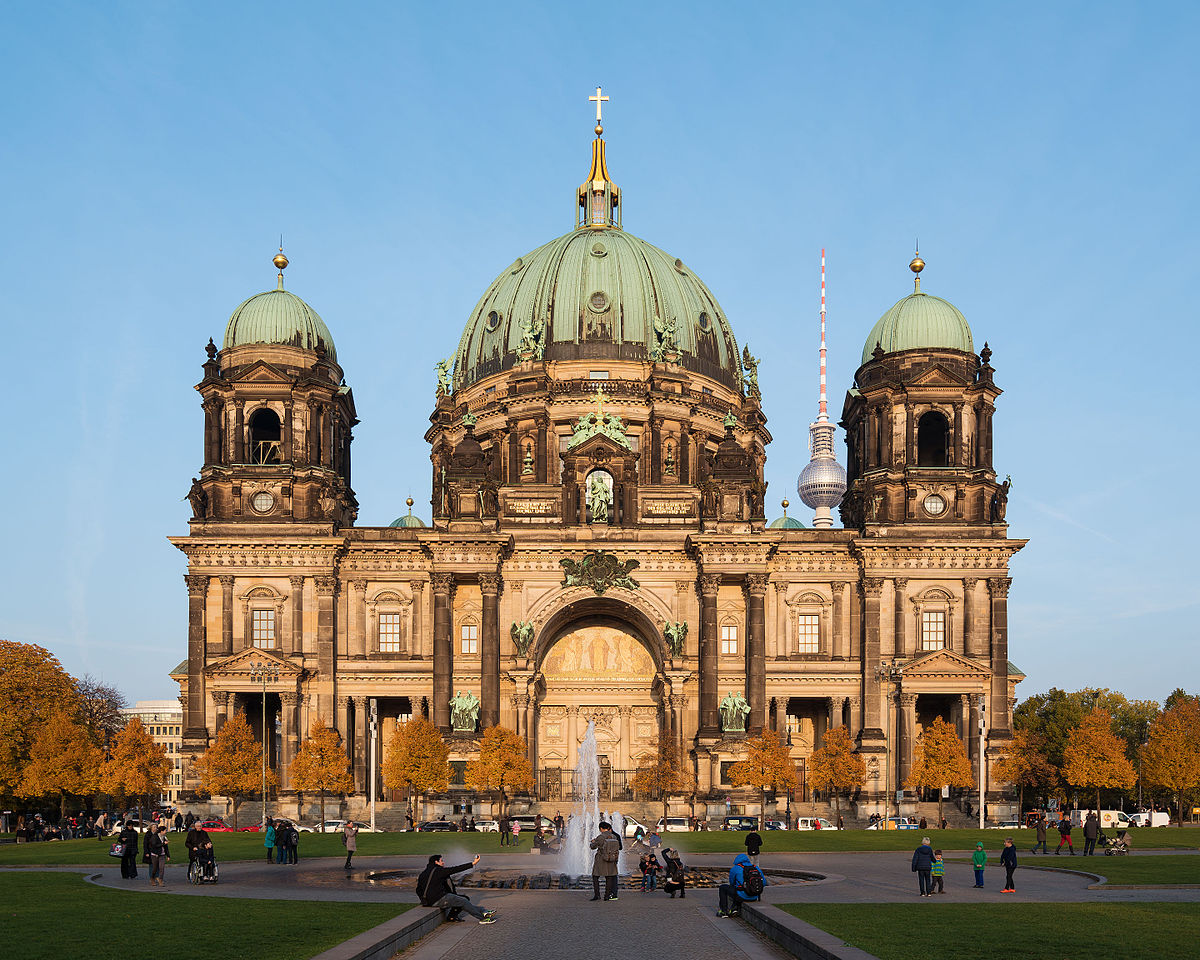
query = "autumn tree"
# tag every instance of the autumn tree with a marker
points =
(1025, 764)
(503, 764)
(663, 773)
(232, 766)
(100, 706)
(417, 759)
(1171, 756)
(62, 760)
(940, 759)
(321, 764)
(136, 765)
(1095, 756)
(835, 767)
(33, 687)
(767, 766)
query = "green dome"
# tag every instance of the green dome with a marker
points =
(600, 289)
(277, 316)
(920, 321)
(408, 520)
(786, 523)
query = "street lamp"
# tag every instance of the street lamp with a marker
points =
(982, 758)
(789, 793)
(263, 671)
(891, 672)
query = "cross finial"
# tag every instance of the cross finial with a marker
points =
(599, 102)
(599, 404)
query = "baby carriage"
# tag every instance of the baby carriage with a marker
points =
(1115, 848)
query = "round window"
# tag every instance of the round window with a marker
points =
(705, 321)
(262, 501)
(598, 302)
(598, 249)
(493, 320)
(935, 505)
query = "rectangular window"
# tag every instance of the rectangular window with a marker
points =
(725, 765)
(808, 636)
(263, 628)
(729, 641)
(389, 633)
(469, 639)
(933, 630)
(597, 374)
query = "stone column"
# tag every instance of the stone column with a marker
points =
(963, 727)
(327, 454)
(777, 642)
(907, 735)
(326, 654)
(709, 585)
(855, 715)
(291, 736)
(973, 742)
(685, 453)
(489, 652)
(572, 732)
(223, 699)
(855, 640)
(343, 726)
(239, 431)
(226, 647)
(289, 453)
(297, 585)
(872, 587)
(956, 449)
(543, 452)
(196, 722)
(362, 734)
(626, 748)
(839, 642)
(898, 619)
(910, 435)
(418, 619)
(528, 705)
(970, 614)
(889, 416)
(358, 618)
(443, 648)
(998, 699)
(837, 711)
(756, 659)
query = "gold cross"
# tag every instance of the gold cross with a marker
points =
(599, 99)
(599, 404)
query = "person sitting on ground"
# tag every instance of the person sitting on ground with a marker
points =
(745, 884)
(676, 879)
(435, 887)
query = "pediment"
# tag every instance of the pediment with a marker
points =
(943, 663)
(554, 755)
(238, 666)
(604, 444)
(260, 371)
(937, 376)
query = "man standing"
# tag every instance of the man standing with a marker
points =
(129, 838)
(504, 829)
(608, 853)
(1064, 836)
(753, 846)
(922, 864)
(1041, 836)
(1091, 830)
(435, 887)
(560, 825)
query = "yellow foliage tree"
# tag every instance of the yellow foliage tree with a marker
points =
(767, 767)
(321, 764)
(1094, 758)
(664, 773)
(63, 760)
(940, 759)
(136, 765)
(835, 767)
(33, 687)
(232, 766)
(503, 764)
(417, 759)
(1171, 756)
(1026, 764)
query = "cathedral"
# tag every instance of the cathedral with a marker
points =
(598, 547)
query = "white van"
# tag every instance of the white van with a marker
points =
(1109, 819)
(672, 825)
(1150, 818)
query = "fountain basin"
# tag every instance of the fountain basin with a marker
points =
(698, 878)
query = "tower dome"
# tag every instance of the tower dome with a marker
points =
(277, 316)
(919, 321)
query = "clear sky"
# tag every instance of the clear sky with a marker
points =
(1044, 154)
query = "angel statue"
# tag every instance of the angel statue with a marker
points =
(675, 634)
(734, 710)
(533, 339)
(666, 347)
(750, 363)
(445, 384)
(522, 636)
(464, 711)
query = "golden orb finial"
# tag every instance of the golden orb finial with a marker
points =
(916, 265)
(785, 504)
(281, 263)
(409, 503)
(599, 130)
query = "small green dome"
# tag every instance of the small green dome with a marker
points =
(786, 523)
(920, 321)
(277, 316)
(408, 520)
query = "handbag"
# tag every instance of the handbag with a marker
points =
(117, 850)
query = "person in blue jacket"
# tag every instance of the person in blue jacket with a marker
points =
(740, 887)
(922, 864)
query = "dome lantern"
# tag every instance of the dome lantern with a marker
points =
(598, 199)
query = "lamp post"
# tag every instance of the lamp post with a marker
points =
(789, 793)
(262, 671)
(891, 672)
(982, 760)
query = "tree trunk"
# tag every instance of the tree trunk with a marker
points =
(322, 809)
(939, 808)
(235, 810)
(762, 810)
(837, 807)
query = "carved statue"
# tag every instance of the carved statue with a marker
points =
(756, 495)
(999, 504)
(710, 499)
(522, 636)
(675, 634)
(666, 346)
(614, 429)
(533, 339)
(489, 499)
(599, 498)
(445, 383)
(599, 569)
(734, 710)
(669, 461)
(199, 500)
(750, 364)
(464, 712)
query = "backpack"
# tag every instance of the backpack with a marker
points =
(610, 852)
(752, 881)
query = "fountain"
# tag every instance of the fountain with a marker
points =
(584, 823)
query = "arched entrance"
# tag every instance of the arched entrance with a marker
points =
(596, 668)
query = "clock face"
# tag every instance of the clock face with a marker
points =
(935, 505)
(262, 501)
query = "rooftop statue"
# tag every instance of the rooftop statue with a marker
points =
(533, 339)
(445, 383)
(464, 712)
(750, 363)
(522, 636)
(666, 346)
(734, 710)
(675, 634)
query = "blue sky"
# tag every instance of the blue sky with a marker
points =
(1044, 154)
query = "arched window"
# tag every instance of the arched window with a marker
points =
(265, 433)
(933, 440)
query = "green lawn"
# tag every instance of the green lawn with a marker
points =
(1011, 931)
(51, 916)
(248, 846)
(1131, 869)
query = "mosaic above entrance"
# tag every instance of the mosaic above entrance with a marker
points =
(598, 652)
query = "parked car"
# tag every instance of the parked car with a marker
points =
(333, 826)
(215, 825)
(1109, 819)
(437, 826)
(1007, 825)
(529, 822)
(488, 826)
(813, 823)
(672, 825)
(774, 824)
(739, 823)
(1150, 818)
(631, 826)
(895, 823)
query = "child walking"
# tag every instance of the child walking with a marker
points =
(979, 861)
(938, 872)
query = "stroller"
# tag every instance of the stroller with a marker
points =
(1115, 848)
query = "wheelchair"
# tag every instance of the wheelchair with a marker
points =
(203, 870)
